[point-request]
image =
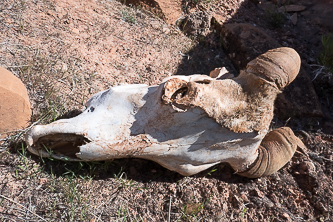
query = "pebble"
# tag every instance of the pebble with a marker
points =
(166, 30)
(259, 193)
(307, 167)
(75, 30)
(285, 216)
(244, 197)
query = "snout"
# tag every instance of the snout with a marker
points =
(108, 117)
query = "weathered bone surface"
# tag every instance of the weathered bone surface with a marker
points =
(187, 123)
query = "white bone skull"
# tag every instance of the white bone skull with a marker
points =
(187, 123)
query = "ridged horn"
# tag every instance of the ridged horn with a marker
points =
(275, 150)
(278, 67)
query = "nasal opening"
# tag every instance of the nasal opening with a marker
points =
(61, 144)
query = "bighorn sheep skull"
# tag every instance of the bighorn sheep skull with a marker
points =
(187, 123)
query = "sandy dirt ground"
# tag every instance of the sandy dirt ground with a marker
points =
(66, 51)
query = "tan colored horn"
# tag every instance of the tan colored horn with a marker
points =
(278, 67)
(275, 150)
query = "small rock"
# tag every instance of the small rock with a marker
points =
(257, 193)
(244, 197)
(170, 10)
(43, 180)
(221, 73)
(258, 202)
(75, 30)
(193, 208)
(64, 67)
(307, 167)
(155, 24)
(293, 18)
(292, 8)
(285, 216)
(61, 207)
(268, 202)
(235, 201)
(166, 30)
(196, 23)
(274, 198)
(15, 110)
(51, 13)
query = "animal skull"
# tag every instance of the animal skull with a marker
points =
(187, 123)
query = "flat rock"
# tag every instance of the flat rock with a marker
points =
(169, 10)
(292, 8)
(172, 10)
(245, 42)
(15, 109)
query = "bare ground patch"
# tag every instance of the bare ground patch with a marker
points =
(65, 51)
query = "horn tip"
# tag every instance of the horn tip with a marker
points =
(279, 66)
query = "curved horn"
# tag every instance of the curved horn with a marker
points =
(278, 67)
(275, 150)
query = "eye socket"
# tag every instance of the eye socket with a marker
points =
(180, 93)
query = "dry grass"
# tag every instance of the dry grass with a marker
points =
(65, 55)
(65, 51)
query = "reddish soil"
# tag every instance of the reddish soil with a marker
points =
(65, 51)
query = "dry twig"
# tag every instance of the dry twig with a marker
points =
(22, 207)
